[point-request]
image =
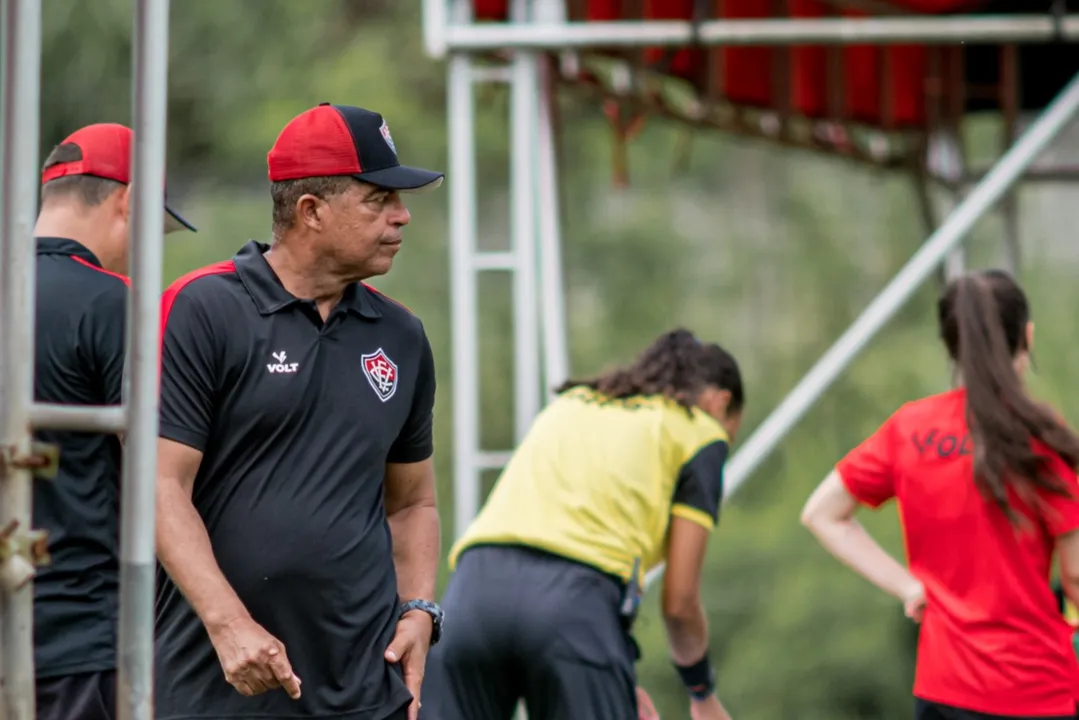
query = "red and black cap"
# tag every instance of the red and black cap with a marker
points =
(331, 140)
(106, 153)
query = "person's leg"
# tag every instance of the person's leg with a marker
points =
(573, 690)
(85, 696)
(106, 683)
(471, 673)
(579, 659)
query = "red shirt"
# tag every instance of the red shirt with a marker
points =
(992, 640)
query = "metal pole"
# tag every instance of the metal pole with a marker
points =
(461, 112)
(946, 161)
(80, 418)
(552, 291)
(1012, 246)
(981, 199)
(434, 26)
(4, 43)
(822, 31)
(22, 65)
(524, 106)
(137, 556)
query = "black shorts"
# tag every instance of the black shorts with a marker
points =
(522, 624)
(925, 710)
(85, 696)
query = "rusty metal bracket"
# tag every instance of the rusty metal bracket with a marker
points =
(43, 460)
(31, 545)
(20, 554)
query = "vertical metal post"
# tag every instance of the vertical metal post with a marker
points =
(527, 216)
(5, 42)
(1013, 254)
(461, 109)
(552, 290)
(524, 106)
(18, 210)
(946, 161)
(434, 27)
(137, 566)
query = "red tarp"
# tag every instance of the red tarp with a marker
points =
(749, 75)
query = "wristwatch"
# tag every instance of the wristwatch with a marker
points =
(431, 609)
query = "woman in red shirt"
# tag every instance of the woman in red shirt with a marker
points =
(985, 482)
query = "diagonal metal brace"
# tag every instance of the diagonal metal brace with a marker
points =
(43, 460)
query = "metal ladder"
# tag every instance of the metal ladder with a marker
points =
(23, 461)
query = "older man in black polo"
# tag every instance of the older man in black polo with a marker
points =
(297, 524)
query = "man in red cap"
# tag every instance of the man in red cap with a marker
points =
(296, 513)
(82, 235)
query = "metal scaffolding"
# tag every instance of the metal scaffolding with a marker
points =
(23, 460)
(539, 27)
(534, 261)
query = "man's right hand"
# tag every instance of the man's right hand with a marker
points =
(708, 709)
(254, 661)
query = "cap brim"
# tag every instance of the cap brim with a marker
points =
(175, 222)
(403, 179)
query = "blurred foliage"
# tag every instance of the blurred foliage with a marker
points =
(771, 252)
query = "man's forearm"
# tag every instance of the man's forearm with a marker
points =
(183, 547)
(687, 635)
(415, 534)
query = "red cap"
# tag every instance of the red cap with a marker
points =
(332, 140)
(106, 153)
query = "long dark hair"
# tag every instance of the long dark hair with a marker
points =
(983, 323)
(676, 365)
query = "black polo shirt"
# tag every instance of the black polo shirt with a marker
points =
(78, 360)
(296, 420)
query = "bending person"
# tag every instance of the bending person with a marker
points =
(986, 486)
(617, 474)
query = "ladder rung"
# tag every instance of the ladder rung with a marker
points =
(79, 418)
(491, 73)
(495, 261)
(492, 460)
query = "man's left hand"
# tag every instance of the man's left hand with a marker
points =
(409, 648)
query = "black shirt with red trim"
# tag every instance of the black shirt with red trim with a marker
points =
(78, 360)
(296, 419)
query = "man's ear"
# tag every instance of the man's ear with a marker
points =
(309, 211)
(123, 202)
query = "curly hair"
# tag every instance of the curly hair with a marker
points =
(676, 365)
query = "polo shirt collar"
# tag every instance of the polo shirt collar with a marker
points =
(270, 295)
(65, 246)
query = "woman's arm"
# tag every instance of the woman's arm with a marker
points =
(683, 614)
(829, 515)
(687, 627)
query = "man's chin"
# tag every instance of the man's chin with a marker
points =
(378, 266)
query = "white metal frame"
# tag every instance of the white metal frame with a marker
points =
(534, 259)
(449, 30)
(19, 414)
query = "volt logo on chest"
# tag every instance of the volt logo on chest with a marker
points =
(279, 365)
